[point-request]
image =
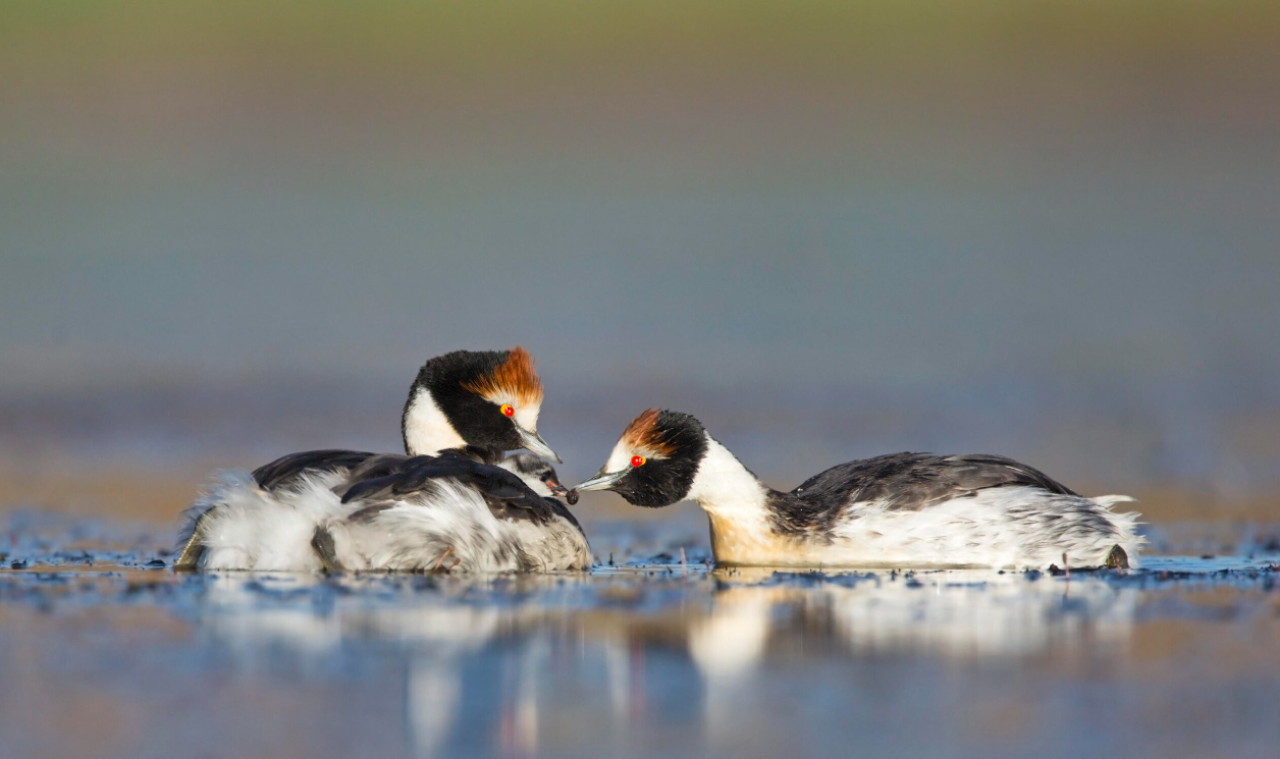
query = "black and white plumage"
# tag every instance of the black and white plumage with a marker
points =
(902, 509)
(451, 502)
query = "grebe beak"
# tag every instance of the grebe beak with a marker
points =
(535, 444)
(602, 481)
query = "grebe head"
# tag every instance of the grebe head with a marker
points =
(655, 460)
(489, 399)
(540, 476)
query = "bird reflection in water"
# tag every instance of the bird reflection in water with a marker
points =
(565, 663)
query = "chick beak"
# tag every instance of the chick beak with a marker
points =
(560, 491)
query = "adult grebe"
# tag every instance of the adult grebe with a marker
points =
(899, 510)
(451, 502)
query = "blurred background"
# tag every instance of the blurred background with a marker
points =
(230, 230)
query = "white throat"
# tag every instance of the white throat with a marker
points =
(723, 485)
(426, 429)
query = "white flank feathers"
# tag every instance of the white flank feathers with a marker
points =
(997, 527)
(244, 527)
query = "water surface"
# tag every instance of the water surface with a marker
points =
(104, 651)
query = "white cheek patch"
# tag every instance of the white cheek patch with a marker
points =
(619, 458)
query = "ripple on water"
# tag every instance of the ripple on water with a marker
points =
(649, 655)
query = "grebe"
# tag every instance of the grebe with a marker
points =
(452, 502)
(898, 510)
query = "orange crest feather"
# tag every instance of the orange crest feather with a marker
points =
(643, 433)
(514, 378)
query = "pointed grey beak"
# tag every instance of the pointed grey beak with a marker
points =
(535, 444)
(602, 481)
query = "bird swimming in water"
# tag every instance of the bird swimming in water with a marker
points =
(897, 510)
(451, 502)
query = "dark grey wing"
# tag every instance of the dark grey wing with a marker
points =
(376, 466)
(379, 465)
(506, 494)
(911, 481)
(976, 471)
(479, 454)
(285, 470)
(395, 477)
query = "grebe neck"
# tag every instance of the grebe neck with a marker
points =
(425, 427)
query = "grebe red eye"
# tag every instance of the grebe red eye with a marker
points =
(637, 461)
(508, 410)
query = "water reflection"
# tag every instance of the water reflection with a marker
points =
(527, 665)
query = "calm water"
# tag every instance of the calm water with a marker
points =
(101, 655)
